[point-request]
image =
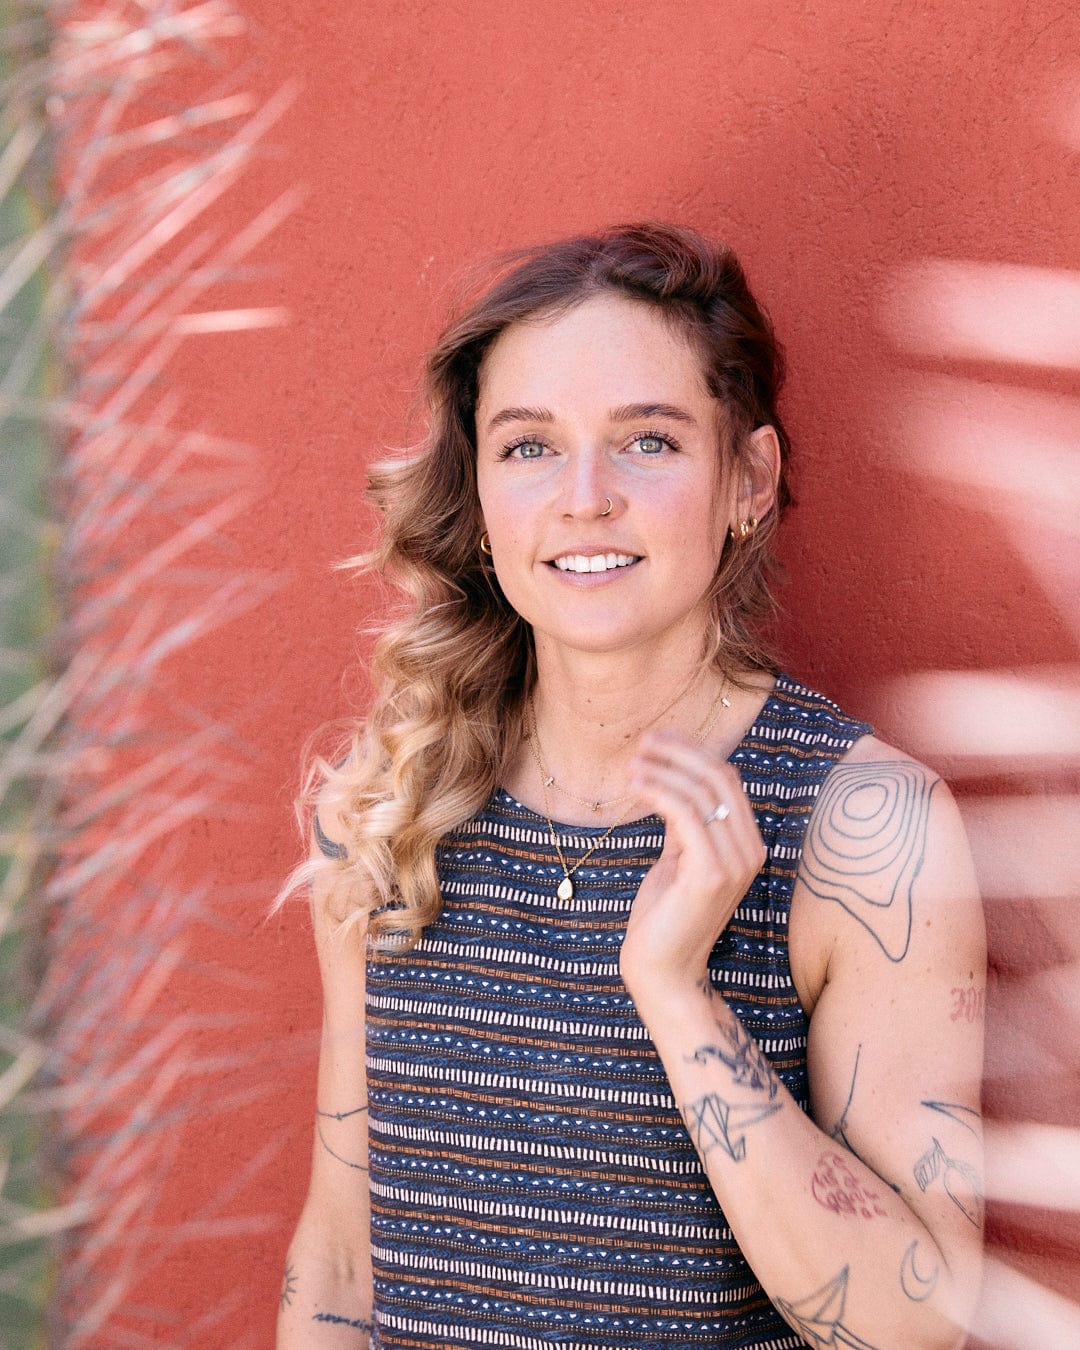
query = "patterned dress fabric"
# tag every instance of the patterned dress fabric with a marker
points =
(532, 1181)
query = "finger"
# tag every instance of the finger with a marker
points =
(689, 805)
(718, 781)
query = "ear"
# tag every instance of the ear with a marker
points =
(759, 473)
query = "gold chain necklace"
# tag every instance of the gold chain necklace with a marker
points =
(565, 889)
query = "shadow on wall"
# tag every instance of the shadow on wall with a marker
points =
(1004, 441)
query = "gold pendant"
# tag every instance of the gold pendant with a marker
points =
(566, 889)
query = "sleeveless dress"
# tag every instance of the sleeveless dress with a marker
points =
(532, 1182)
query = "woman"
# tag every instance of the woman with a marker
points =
(662, 950)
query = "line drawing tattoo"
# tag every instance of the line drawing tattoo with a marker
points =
(358, 1322)
(743, 1056)
(963, 1115)
(839, 1130)
(360, 1167)
(835, 1186)
(818, 1318)
(912, 1283)
(341, 1115)
(960, 1179)
(870, 826)
(288, 1286)
(713, 1123)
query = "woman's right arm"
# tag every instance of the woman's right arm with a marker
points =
(326, 1292)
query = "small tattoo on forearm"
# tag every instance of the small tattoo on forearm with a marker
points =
(341, 1115)
(288, 1286)
(968, 1005)
(743, 1056)
(715, 1123)
(917, 1287)
(835, 1186)
(359, 1167)
(819, 1318)
(961, 1181)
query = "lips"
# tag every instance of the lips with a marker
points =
(593, 562)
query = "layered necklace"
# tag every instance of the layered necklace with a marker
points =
(565, 889)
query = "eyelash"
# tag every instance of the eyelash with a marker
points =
(661, 436)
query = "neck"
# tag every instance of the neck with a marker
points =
(590, 711)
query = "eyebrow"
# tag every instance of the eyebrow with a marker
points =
(627, 412)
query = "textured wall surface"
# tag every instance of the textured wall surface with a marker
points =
(901, 182)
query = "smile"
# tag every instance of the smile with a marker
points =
(597, 562)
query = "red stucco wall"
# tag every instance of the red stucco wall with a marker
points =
(837, 145)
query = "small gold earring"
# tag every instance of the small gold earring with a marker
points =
(747, 528)
(485, 543)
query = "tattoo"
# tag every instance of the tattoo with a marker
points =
(360, 1167)
(912, 1283)
(968, 1004)
(742, 1055)
(869, 833)
(358, 1322)
(819, 1318)
(839, 1130)
(712, 1123)
(960, 1179)
(963, 1115)
(341, 1115)
(288, 1286)
(835, 1186)
(327, 847)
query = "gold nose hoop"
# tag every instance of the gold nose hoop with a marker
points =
(607, 509)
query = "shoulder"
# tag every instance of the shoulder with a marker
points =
(885, 867)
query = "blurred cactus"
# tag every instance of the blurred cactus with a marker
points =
(112, 561)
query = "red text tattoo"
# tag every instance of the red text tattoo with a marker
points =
(968, 1004)
(835, 1186)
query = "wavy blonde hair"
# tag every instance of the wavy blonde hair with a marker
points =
(453, 669)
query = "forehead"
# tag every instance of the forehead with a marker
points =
(609, 350)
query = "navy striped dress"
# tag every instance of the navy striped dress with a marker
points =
(532, 1182)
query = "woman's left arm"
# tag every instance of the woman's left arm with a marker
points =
(863, 1221)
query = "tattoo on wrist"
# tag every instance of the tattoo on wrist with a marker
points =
(819, 1318)
(288, 1286)
(715, 1123)
(835, 1186)
(359, 1323)
(740, 1053)
(867, 844)
(916, 1287)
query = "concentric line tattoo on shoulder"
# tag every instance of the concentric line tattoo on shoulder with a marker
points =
(867, 844)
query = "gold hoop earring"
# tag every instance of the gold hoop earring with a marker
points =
(485, 543)
(607, 509)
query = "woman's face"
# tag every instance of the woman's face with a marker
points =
(605, 403)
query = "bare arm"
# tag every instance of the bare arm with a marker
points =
(863, 1223)
(326, 1287)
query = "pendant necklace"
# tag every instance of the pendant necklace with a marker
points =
(565, 888)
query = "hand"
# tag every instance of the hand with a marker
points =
(706, 866)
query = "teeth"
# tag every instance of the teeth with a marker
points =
(599, 562)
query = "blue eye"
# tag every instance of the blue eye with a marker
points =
(653, 445)
(525, 449)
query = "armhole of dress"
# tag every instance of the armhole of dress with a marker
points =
(327, 847)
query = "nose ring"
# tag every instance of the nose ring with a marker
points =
(607, 509)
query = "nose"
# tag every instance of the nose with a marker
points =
(588, 490)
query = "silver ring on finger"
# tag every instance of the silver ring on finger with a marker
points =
(720, 812)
